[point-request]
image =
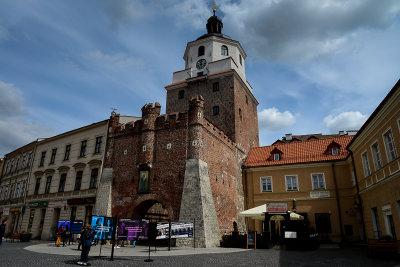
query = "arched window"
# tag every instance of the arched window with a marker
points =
(201, 51)
(224, 50)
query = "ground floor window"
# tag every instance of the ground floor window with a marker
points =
(88, 214)
(323, 223)
(375, 223)
(31, 217)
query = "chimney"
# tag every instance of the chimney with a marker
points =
(288, 137)
(341, 133)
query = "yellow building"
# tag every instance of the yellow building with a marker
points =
(375, 151)
(313, 177)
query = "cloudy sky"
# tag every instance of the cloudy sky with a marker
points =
(316, 66)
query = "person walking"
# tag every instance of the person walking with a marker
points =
(64, 236)
(2, 231)
(59, 234)
(86, 238)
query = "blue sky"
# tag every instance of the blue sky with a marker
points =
(315, 66)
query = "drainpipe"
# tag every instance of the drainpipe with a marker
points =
(338, 203)
(358, 195)
(244, 171)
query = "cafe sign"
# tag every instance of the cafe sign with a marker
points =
(39, 204)
(278, 207)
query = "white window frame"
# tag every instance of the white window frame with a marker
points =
(366, 165)
(376, 157)
(266, 178)
(335, 151)
(388, 154)
(297, 182)
(276, 156)
(323, 178)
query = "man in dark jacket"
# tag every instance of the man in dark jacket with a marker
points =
(2, 231)
(86, 239)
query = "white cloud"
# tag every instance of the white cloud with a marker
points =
(273, 120)
(15, 130)
(351, 120)
(288, 31)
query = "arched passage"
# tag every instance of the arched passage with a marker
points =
(152, 210)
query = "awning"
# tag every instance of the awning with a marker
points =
(255, 213)
(258, 213)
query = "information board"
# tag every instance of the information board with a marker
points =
(102, 227)
(76, 227)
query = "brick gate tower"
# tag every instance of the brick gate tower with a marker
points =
(188, 161)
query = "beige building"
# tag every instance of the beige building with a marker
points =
(375, 151)
(64, 179)
(13, 184)
(312, 178)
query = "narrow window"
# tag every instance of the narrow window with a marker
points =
(78, 180)
(8, 166)
(181, 94)
(215, 86)
(291, 183)
(335, 151)
(266, 184)
(365, 161)
(240, 114)
(215, 110)
(240, 59)
(83, 148)
(93, 178)
(23, 189)
(376, 154)
(16, 165)
(37, 186)
(200, 51)
(29, 159)
(12, 165)
(17, 191)
(61, 186)
(48, 184)
(42, 158)
(5, 192)
(99, 140)
(11, 191)
(247, 100)
(276, 156)
(73, 214)
(224, 50)
(390, 146)
(23, 162)
(53, 155)
(67, 151)
(318, 181)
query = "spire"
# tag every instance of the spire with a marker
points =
(214, 7)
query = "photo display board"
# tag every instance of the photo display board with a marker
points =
(102, 227)
(76, 227)
(133, 229)
(64, 224)
(178, 230)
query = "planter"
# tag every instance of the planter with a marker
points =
(25, 237)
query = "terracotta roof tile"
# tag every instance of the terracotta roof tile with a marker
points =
(298, 152)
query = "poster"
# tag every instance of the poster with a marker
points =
(132, 229)
(162, 230)
(143, 181)
(76, 227)
(102, 227)
(181, 229)
(64, 224)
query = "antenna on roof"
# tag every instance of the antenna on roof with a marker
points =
(113, 111)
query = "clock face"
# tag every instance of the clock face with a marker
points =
(201, 64)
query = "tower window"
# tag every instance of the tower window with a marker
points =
(216, 87)
(215, 110)
(240, 114)
(240, 59)
(200, 51)
(224, 50)
(181, 94)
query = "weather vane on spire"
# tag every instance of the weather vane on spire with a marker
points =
(214, 7)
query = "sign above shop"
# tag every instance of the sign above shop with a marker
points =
(278, 207)
(319, 194)
(81, 201)
(39, 204)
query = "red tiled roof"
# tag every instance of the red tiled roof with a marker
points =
(298, 152)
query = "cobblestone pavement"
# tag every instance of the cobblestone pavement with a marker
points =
(17, 254)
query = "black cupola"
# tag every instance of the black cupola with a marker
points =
(214, 25)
